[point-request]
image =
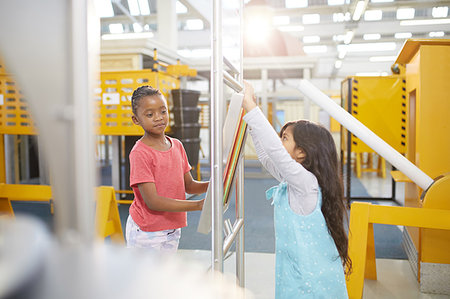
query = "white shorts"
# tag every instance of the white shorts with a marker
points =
(165, 240)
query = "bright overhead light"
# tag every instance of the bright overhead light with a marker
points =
(338, 64)
(369, 47)
(382, 58)
(296, 3)
(371, 36)
(311, 39)
(193, 24)
(424, 22)
(115, 28)
(348, 37)
(180, 8)
(133, 6)
(340, 17)
(104, 8)
(118, 36)
(281, 20)
(144, 8)
(405, 13)
(315, 49)
(440, 12)
(335, 2)
(436, 34)
(291, 28)
(342, 52)
(359, 9)
(313, 18)
(339, 37)
(137, 27)
(257, 29)
(373, 15)
(402, 35)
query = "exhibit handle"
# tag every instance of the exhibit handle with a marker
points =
(231, 82)
(366, 135)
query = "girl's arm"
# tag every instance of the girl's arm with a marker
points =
(160, 203)
(192, 186)
(264, 158)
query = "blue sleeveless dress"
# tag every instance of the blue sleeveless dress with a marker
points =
(307, 261)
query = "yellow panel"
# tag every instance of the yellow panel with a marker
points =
(114, 117)
(15, 117)
(411, 46)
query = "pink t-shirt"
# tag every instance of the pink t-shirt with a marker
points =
(166, 170)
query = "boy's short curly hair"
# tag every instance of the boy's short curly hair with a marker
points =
(139, 93)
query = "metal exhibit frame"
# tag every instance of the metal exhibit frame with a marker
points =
(219, 76)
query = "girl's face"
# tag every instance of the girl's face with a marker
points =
(152, 114)
(289, 144)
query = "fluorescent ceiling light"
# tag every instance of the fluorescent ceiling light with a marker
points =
(382, 58)
(137, 27)
(281, 20)
(115, 28)
(340, 17)
(348, 37)
(436, 34)
(424, 22)
(144, 8)
(373, 15)
(335, 2)
(296, 3)
(313, 18)
(104, 8)
(338, 64)
(315, 49)
(405, 13)
(371, 36)
(193, 24)
(311, 39)
(291, 28)
(359, 9)
(440, 12)
(342, 52)
(133, 6)
(403, 35)
(117, 36)
(339, 37)
(381, 1)
(180, 8)
(369, 47)
(371, 74)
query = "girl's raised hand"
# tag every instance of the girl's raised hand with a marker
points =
(249, 97)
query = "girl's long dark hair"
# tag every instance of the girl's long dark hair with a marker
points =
(322, 160)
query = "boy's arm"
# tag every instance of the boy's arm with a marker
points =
(192, 186)
(160, 203)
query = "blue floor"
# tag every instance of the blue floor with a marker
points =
(259, 229)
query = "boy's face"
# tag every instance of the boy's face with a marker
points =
(152, 114)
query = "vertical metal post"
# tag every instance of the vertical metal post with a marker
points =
(240, 249)
(216, 138)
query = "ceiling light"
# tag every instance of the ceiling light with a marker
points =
(348, 37)
(257, 29)
(382, 58)
(342, 52)
(137, 27)
(315, 49)
(117, 36)
(339, 37)
(371, 36)
(440, 12)
(436, 34)
(424, 22)
(403, 35)
(359, 9)
(311, 18)
(133, 6)
(311, 39)
(115, 28)
(180, 8)
(369, 47)
(373, 15)
(144, 8)
(338, 64)
(193, 24)
(340, 17)
(104, 8)
(335, 2)
(296, 3)
(281, 20)
(291, 28)
(405, 13)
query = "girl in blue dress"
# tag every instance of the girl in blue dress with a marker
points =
(309, 209)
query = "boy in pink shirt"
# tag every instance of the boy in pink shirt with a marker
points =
(159, 176)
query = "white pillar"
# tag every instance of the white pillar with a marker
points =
(264, 100)
(167, 23)
(306, 100)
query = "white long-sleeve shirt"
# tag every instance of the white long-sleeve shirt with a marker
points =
(302, 185)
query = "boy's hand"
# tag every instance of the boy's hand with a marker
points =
(200, 204)
(249, 97)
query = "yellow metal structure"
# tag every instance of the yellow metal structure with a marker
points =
(427, 64)
(380, 104)
(361, 247)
